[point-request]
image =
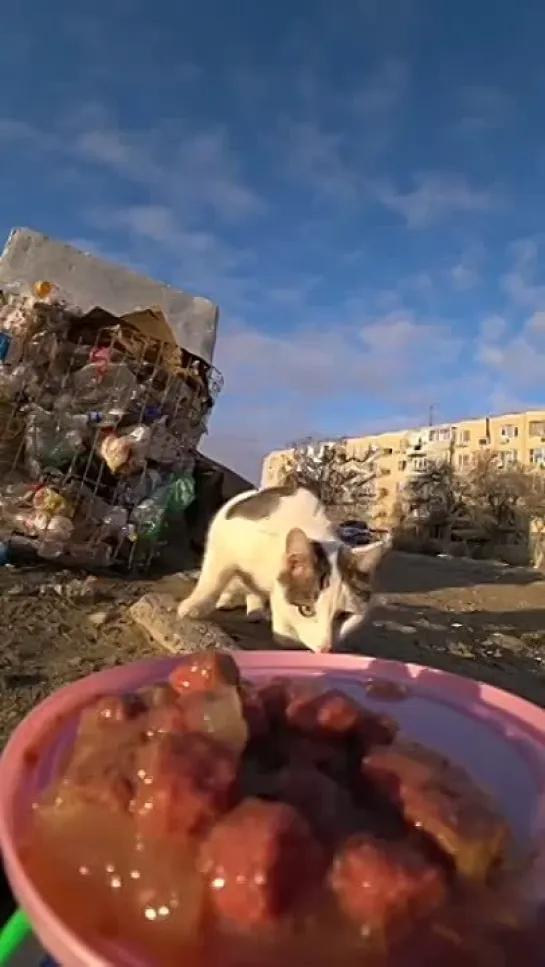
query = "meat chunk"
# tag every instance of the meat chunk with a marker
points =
(184, 784)
(254, 710)
(440, 799)
(167, 720)
(275, 695)
(308, 750)
(218, 714)
(157, 696)
(257, 861)
(205, 672)
(328, 714)
(383, 886)
(97, 776)
(109, 711)
(332, 714)
(327, 806)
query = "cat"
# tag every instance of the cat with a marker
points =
(278, 547)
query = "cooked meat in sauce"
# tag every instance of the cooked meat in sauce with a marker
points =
(253, 887)
(384, 886)
(227, 823)
(440, 799)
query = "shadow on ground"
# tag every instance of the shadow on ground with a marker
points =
(404, 573)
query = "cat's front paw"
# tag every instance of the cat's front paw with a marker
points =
(257, 615)
(188, 610)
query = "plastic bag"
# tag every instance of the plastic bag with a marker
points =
(36, 523)
(181, 494)
(51, 502)
(125, 452)
(171, 498)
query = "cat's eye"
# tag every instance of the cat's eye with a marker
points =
(306, 610)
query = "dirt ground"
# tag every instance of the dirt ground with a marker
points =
(483, 620)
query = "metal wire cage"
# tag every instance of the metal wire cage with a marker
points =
(99, 425)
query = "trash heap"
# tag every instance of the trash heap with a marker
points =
(100, 417)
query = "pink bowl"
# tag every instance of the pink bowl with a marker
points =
(498, 737)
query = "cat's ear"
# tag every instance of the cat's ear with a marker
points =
(300, 554)
(358, 565)
(368, 557)
(300, 573)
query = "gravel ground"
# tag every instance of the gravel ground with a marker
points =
(478, 619)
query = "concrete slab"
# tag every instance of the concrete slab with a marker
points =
(156, 615)
(90, 281)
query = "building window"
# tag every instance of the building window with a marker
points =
(537, 427)
(387, 452)
(441, 434)
(464, 436)
(509, 431)
(508, 457)
(419, 464)
(464, 459)
(401, 464)
(537, 456)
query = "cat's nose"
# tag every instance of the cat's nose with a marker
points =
(326, 646)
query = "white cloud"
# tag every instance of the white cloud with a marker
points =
(519, 283)
(277, 387)
(383, 92)
(516, 360)
(483, 108)
(436, 196)
(314, 157)
(194, 170)
(465, 275)
(319, 362)
(493, 328)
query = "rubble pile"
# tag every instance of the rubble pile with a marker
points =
(100, 417)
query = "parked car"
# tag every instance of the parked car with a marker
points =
(355, 533)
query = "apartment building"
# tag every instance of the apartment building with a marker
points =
(517, 438)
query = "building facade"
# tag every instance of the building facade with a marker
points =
(516, 437)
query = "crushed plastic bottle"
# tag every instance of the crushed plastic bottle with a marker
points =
(149, 517)
(53, 439)
(5, 342)
(13, 380)
(105, 388)
(163, 446)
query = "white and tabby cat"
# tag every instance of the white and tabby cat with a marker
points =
(278, 549)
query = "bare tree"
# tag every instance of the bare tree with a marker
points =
(339, 479)
(498, 495)
(534, 505)
(436, 496)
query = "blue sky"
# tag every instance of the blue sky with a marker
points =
(360, 185)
